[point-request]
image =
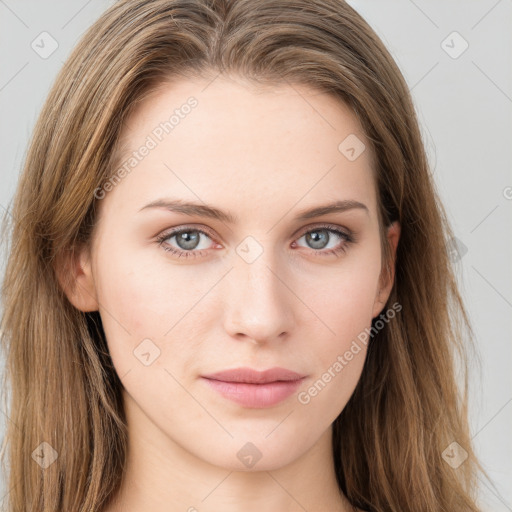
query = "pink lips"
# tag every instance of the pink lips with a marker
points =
(255, 389)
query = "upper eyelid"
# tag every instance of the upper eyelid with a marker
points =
(174, 231)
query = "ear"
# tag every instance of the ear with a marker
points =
(387, 276)
(74, 273)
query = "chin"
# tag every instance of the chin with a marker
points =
(251, 455)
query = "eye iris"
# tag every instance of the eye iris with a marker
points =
(314, 237)
(187, 241)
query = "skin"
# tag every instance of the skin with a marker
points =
(263, 154)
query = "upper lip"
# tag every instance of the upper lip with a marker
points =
(250, 376)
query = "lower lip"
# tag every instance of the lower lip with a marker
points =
(255, 395)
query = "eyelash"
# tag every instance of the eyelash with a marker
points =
(348, 238)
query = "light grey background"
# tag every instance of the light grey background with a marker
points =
(464, 104)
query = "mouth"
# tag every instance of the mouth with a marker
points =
(255, 389)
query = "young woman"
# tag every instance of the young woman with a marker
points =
(229, 285)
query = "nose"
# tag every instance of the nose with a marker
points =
(258, 304)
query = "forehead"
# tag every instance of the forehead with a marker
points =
(231, 141)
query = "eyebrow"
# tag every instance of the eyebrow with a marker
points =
(204, 210)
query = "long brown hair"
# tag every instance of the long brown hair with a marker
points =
(408, 406)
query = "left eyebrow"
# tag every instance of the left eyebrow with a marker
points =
(337, 206)
(204, 210)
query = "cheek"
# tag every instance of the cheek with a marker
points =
(343, 297)
(339, 360)
(129, 301)
(344, 304)
(145, 304)
(135, 290)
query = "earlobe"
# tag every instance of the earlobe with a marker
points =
(74, 273)
(387, 277)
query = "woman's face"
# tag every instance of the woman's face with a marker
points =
(255, 281)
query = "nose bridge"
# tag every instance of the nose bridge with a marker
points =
(256, 302)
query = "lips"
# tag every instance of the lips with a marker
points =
(250, 376)
(255, 389)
